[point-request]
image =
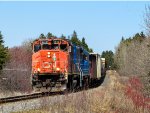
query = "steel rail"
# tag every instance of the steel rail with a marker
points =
(29, 96)
(45, 94)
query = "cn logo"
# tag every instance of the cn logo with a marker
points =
(54, 57)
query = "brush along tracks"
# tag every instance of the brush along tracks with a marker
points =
(46, 94)
(40, 95)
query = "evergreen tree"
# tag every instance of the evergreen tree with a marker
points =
(74, 39)
(3, 52)
(49, 35)
(84, 44)
(90, 50)
(139, 37)
(142, 35)
(109, 58)
(42, 36)
(122, 39)
(1, 39)
(63, 37)
(69, 37)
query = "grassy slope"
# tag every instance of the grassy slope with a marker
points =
(111, 97)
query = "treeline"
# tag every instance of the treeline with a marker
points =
(132, 58)
(74, 39)
(109, 59)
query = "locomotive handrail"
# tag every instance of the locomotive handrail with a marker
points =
(81, 73)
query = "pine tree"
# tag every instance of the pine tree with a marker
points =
(1, 39)
(122, 39)
(69, 37)
(49, 35)
(42, 36)
(84, 44)
(142, 35)
(63, 37)
(90, 50)
(74, 39)
(109, 58)
(3, 52)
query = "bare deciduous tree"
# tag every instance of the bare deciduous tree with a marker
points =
(147, 19)
(133, 59)
(18, 69)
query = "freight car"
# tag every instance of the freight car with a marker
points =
(58, 64)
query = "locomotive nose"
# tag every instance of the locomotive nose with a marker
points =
(50, 61)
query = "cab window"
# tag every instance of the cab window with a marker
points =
(46, 46)
(37, 48)
(55, 46)
(63, 47)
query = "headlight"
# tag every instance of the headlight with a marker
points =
(39, 69)
(48, 56)
(57, 69)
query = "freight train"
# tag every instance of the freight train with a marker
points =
(58, 65)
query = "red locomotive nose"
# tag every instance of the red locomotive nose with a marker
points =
(51, 61)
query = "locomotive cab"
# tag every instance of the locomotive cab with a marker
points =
(49, 63)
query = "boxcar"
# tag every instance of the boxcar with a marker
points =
(95, 66)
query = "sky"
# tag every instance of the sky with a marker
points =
(101, 23)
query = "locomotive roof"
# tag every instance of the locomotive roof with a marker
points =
(50, 39)
(67, 40)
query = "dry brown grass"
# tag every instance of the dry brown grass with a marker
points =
(104, 99)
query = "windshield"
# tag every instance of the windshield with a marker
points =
(55, 46)
(46, 46)
(63, 47)
(37, 48)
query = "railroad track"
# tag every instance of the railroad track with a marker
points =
(43, 94)
(29, 96)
